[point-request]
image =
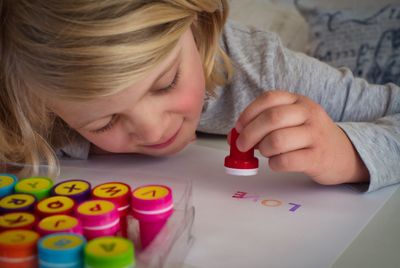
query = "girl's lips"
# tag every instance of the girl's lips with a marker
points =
(164, 144)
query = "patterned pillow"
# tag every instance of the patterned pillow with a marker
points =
(279, 16)
(366, 40)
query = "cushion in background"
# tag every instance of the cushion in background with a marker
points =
(364, 38)
(279, 16)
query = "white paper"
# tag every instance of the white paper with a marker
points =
(289, 222)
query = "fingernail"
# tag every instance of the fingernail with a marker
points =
(238, 145)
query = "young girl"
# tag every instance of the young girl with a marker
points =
(126, 76)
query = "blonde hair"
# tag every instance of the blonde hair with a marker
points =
(80, 50)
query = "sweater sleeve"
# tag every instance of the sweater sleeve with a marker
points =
(369, 114)
(378, 144)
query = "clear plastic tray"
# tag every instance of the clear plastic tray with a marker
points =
(171, 245)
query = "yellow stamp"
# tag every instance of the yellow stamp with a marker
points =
(58, 223)
(18, 237)
(71, 187)
(16, 219)
(151, 192)
(55, 204)
(109, 190)
(107, 246)
(34, 184)
(6, 180)
(96, 207)
(16, 201)
(62, 241)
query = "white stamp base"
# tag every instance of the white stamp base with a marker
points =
(241, 172)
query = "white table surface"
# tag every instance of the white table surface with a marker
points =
(378, 244)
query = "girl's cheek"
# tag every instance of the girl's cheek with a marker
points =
(190, 100)
(190, 96)
(107, 141)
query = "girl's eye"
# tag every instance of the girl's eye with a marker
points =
(171, 86)
(106, 127)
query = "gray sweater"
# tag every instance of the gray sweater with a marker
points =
(369, 114)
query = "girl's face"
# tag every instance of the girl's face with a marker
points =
(155, 116)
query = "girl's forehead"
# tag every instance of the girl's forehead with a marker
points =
(85, 111)
(147, 78)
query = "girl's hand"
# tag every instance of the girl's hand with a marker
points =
(297, 135)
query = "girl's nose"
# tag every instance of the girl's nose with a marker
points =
(146, 127)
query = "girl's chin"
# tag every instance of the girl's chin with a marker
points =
(172, 149)
(166, 151)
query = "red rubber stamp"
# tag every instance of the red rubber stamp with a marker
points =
(240, 163)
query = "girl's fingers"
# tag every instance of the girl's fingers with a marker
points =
(267, 100)
(285, 140)
(294, 161)
(272, 119)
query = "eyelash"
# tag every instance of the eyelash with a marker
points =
(170, 86)
(161, 91)
(106, 127)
